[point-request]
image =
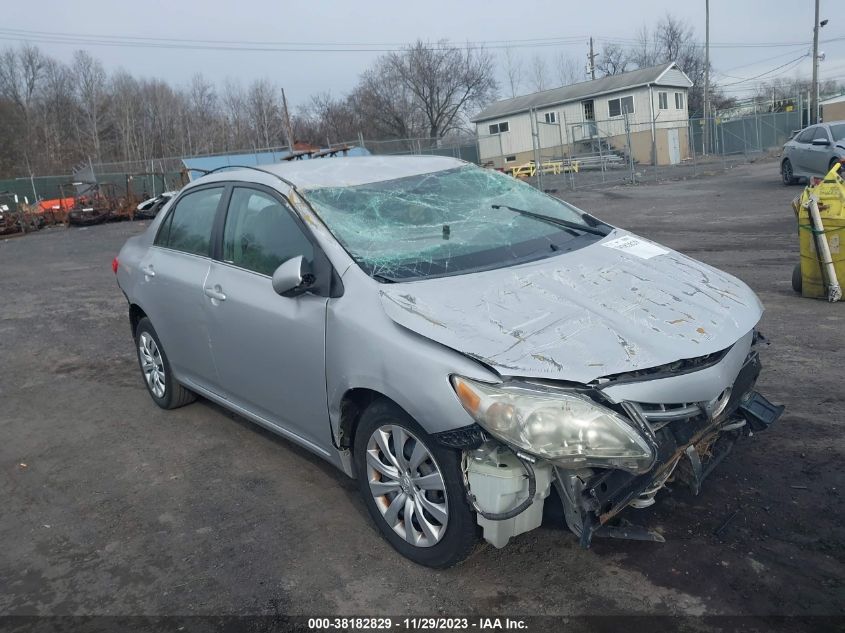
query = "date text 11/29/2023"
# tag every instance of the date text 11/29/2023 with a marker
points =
(417, 624)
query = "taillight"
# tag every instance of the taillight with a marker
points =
(114, 265)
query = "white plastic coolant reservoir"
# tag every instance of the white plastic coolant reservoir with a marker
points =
(499, 482)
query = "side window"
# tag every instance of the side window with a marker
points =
(187, 228)
(807, 135)
(260, 233)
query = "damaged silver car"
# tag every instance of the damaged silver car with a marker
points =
(467, 347)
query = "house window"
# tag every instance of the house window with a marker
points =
(498, 128)
(663, 100)
(679, 100)
(551, 117)
(510, 159)
(616, 107)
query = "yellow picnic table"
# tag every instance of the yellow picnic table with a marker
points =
(548, 167)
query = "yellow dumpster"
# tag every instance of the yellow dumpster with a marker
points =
(830, 193)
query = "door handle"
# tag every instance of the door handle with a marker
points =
(148, 270)
(215, 293)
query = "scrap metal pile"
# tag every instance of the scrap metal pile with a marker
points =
(83, 202)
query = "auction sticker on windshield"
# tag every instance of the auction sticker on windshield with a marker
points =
(635, 246)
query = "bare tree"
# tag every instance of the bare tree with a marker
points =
(446, 82)
(388, 102)
(538, 73)
(234, 116)
(20, 74)
(327, 118)
(613, 60)
(90, 78)
(265, 113)
(567, 70)
(202, 114)
(513, 71)
(58, 110)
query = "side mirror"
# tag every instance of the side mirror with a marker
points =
(293, 277)
(821, 141)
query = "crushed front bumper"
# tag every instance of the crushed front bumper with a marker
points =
(688, 449)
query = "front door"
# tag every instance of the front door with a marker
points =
(674, 146)
(269, 350)
(818, 156)
(589, 108)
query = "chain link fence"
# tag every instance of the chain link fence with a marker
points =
(562, 155)
(589, 154)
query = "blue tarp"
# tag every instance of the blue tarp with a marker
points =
(207, 163)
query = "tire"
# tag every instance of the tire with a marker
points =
(155, 369)
(787, 173)
(448, 532)
(796, 278)
(833, 162)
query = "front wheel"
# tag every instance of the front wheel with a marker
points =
(413, 488)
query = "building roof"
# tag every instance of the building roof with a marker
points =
(345, 172)
(832, 100)
(573, 92)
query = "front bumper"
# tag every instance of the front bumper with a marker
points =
(688, 449)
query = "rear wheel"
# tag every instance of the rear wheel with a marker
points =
(155, 368)
(786, 172)
(413, 488)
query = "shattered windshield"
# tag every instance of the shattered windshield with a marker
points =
(445, 223)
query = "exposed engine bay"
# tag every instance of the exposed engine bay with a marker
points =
(508, 487)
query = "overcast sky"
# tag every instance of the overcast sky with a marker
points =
(382, 24)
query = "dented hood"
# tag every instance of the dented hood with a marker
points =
(618, 305)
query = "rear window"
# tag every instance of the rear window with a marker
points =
(187, 228)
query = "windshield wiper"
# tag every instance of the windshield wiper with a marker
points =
(557, 221)
(383, 279)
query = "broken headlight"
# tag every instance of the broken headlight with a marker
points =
(564, 427)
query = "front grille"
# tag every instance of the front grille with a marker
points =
(659, 415)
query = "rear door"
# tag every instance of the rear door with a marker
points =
(269, 350)
(171, 291)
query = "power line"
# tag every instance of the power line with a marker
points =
(794, 61)
(132, 41)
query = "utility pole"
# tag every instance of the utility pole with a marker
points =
(592, 57)
(814, 106)
(704, 136)
(288, 126)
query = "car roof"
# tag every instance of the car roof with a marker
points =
(316, 173)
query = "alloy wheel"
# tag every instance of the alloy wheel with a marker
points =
(407, 485)
(152, 364)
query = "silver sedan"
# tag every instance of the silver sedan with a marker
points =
(813, 152)
(466, 346)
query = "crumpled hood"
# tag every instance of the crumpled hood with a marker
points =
(618, 305)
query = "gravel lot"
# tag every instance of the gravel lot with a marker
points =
(113, 506)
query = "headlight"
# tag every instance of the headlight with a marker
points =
(566, 428)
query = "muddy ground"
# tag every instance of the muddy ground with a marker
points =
(113, 506)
